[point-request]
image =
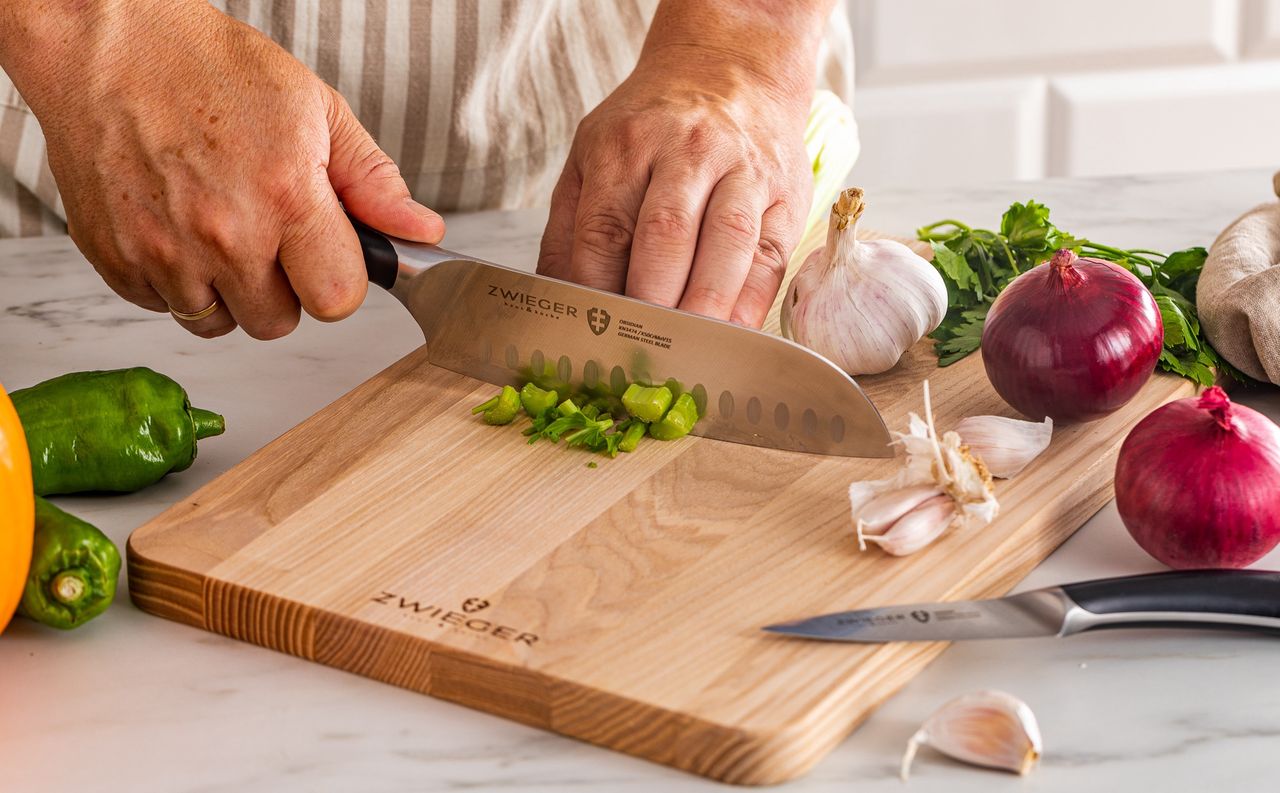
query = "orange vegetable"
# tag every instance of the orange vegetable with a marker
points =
(17, 509)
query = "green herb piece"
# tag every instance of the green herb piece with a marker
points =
(678, 421)
(593, 464)
(537, 401)
(647, 403)
(502, 409)
(631, 436)
(977, 264)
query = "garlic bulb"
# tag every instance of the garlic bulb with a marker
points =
(862, 303)
(940, 485)
(1005, 445)
(987, 728)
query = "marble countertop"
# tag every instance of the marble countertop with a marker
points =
(132, 702)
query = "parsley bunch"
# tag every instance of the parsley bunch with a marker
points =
(977, 264)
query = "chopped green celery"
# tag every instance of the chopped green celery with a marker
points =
(568, 408)
(646, 403)
(631, 437)
(678, 421)
(536, 401)
(502, 409)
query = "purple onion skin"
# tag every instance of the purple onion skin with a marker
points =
(1072, 339)
(1196, 490)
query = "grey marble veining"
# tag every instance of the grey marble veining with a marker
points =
(135, 703)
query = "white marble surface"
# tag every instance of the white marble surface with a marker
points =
(138, 704)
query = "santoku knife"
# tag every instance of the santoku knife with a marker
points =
(1247, 600)
(508, 327)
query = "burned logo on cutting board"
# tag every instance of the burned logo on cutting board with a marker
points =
(464, 619)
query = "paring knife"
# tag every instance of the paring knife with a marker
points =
(1247, 600)
(508, 327)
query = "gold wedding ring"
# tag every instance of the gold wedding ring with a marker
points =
(199, 315)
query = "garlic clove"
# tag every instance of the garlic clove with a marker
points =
(1006, 445)
(986, 728)
(882, 510)
(914, 530)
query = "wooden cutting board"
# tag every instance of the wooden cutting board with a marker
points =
(395, 536)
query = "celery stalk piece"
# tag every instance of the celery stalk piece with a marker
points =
(678, 421)
(631, 437)
(536, 401)
(568, 408)
(646, 403)
(502, 409)
(831, 141)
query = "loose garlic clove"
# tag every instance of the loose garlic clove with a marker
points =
(883, 510)
(914, 530)
(1005, 445)
(987, 728)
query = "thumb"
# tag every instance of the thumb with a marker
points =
(369, 184)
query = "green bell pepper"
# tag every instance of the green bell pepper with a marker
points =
(115, 431)
(73, 573)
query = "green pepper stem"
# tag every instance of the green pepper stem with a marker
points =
(69, 587)
(207, 423)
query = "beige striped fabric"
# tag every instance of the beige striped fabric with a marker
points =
(476, 100)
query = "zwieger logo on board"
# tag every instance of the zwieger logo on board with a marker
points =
(465, 619)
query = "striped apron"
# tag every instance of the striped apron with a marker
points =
(476, 100)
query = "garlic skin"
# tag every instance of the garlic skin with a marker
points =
(1005, 445)
(861, 303)
(986, 728)
(941, 485)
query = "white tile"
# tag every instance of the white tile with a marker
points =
(951, 133)
(1165, 120)
(1260, 26)
(904, 40)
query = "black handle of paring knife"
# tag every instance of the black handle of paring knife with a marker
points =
(1246, 600)
(380, 258)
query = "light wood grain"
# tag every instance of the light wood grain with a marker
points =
(623, 602)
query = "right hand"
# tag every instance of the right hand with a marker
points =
(198, 161)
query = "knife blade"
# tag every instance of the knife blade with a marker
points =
(509, 327)
(1246, 600)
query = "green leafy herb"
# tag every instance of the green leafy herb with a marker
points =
(977, 264)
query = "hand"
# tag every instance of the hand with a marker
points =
(199, 161)
(688, 186)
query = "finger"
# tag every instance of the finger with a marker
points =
(369, 184)
(189, 296)
(261, 301)
(726, 246)
(779, 232)
(667, 232)
(556, 251)
(321, 258)
(604, 227)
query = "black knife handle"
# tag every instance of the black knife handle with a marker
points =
(1190, 599)
(380, 258)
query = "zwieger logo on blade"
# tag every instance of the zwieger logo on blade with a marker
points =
(598, 320)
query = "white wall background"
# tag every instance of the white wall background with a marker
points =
(951, 91)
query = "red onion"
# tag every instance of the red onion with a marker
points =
(1072, 339)
(1198, 483)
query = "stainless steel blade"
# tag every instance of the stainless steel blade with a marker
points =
(1042, 612)
(505, 326)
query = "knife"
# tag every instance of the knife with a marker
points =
(510, 327)
(1246, 600)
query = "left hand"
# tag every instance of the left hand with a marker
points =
(688, 186)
